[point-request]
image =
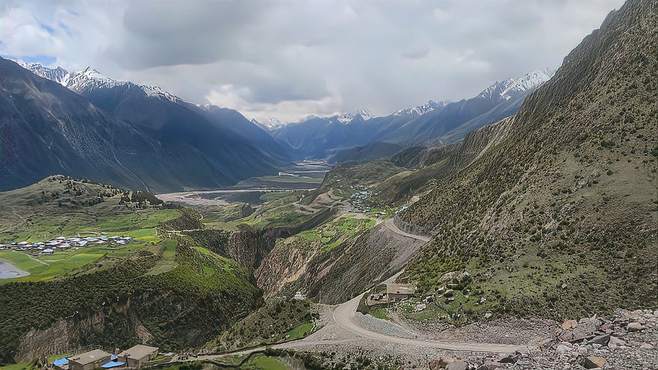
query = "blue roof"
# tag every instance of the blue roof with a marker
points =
(111, 364)
(61, 361)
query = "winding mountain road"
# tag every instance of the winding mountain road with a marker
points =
(345, 327)
(390, 224)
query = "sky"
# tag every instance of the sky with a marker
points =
(288, 59)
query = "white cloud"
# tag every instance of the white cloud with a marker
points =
(289, 59)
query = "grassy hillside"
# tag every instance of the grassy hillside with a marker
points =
(277, 321)
(564, 207)
(61, 206)
(165, 288)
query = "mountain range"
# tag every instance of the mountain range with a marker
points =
(433, 123)
(87, 125)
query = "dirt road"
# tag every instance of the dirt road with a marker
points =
(347, 329)
(391, 226)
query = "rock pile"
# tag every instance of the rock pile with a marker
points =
(589, 342)
(624, 340)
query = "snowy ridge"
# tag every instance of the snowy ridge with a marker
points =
(268, 123)
(419, 110)
(58, 74)
(346, 118)
(90, 79)
(509, 88)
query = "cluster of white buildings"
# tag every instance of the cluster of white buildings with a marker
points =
(359, 200)
(63, 243)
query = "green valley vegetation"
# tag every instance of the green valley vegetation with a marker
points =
(165, 288)
(328, 236)
(279, 320)
(280, 209)
(346, 179)
(60, 205)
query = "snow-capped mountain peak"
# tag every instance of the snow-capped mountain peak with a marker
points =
(90, 79)
(509, 88)
(268, 123)
(419, 110)
(57, 74)
(346, 118)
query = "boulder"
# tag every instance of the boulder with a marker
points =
(584, 329)
(569, 324)
(449, 293)
(456, 279)
(635, 326)
(616, 342)
(491, 366)
(600, 339)
(511, 358)
(646, 346)
(592, 362)
(457, 365)
(607, 328)
(564, 348)
(441, 363)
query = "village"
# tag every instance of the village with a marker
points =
(135, 357)
(63, 243)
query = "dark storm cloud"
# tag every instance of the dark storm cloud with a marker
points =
(287, 59)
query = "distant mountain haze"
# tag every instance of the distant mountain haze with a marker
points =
(431, 123)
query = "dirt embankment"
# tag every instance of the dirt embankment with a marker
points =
(249, 246)
(74, 333)
(340, 274)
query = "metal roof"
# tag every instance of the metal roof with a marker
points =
(89, 357)
(139, 351)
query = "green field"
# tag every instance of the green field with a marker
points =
(332, 234)
(278, 210)
(167, 260)
(300, 331)
(61, 263)
(139, 224)
(262, 362)
(379, 313)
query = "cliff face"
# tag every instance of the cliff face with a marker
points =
(68, 335)
(334, 275)
(570, 190)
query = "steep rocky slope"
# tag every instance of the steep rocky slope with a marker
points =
(564, 207)
(333, 266)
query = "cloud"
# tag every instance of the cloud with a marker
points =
(288, 59)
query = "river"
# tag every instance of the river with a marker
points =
(9, 271)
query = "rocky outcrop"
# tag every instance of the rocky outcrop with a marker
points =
(249, 246)
(340, 274)
(70, 335)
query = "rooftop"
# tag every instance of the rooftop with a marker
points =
(89, 357)
(392, 288)
(139, 351)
